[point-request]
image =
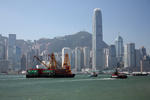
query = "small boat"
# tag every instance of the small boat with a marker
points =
(94, 74)
(116, 74)
(140, 74)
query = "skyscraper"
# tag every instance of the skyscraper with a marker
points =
(97, 41)
(12, 47)
(23, 62)
(119, 48)
(143, 51)
(86, 53)
(2, 48)
(129, 55)
(73, 59)
(77, 59)
(138, 57)
(110, 56)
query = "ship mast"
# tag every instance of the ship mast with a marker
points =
(66, 64)
(40, 61)
(52, 62)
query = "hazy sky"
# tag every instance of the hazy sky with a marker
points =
(34, 19)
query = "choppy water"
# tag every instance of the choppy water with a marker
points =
(82, 87)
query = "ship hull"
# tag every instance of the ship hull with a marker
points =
(140, 74)
(51, 76)
(49, 73)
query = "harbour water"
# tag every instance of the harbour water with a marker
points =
(82, 87)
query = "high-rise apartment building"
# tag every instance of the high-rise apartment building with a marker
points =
(119, 48)
(86, 53)
(129, 55)
(73, 59)
(23, 62)
(138, 58)
(12, 47)
(77, 59)
(110, 56)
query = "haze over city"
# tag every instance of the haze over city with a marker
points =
(33, 19)
(74, 49)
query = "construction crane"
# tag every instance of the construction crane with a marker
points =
(52, 62)
(41, 61)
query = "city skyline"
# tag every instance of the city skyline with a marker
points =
(74, 49)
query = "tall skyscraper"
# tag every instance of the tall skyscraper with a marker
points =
(97, 41)
(2, 48)
(129, 55)
(18, 53)
(143, 51)
(77, 59)
(4, 63)
(6, 49)
(12, 47)
(146, 63)
(110, 56)
(23, 62)
(138, 58)
(82, 58)
(119, 48)
(86, 53)
(73, 59)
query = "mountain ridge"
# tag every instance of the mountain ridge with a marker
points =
(79, 39)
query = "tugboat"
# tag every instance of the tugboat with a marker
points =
(51, 70)
(116, 74)
(94, 74)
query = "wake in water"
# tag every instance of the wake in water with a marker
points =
(85, 79)
(53, 80)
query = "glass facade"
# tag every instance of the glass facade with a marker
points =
(97, 45)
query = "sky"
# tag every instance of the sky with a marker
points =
(34, 19)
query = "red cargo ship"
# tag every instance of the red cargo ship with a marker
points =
(51, 71)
